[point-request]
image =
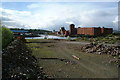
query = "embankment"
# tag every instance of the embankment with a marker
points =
(18, 63)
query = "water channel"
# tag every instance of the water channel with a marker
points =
(50, 37)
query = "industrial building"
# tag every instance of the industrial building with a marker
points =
(63, 32)
(93, 31)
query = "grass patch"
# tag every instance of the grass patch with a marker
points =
(43, 52)
(106, 39)
(32, 45)
(30, 40)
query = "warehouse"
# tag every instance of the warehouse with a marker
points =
(94, 31)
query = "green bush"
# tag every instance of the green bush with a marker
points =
(7, 36)
(0, 38)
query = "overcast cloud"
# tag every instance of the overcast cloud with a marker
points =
(54, 15)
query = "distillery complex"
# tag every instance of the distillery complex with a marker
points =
(92, 31)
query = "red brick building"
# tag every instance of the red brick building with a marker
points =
(62, 30)
(106, 30)
(89, 31)
(73, 30)
(94, 31)
(66, 33)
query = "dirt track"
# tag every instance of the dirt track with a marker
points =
(89, 65)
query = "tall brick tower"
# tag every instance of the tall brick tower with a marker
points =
(72, 27)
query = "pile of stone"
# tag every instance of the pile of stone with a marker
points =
(19, 64)
(101, 49)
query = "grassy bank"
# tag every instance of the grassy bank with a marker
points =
(112, 38)
(7, 36)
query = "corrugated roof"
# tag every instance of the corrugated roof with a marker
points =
(22, 31)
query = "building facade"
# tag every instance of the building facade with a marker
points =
(73, 30)
(63, 32)
(93, 31)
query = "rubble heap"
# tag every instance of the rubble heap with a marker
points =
(18, 63)
(101, 49)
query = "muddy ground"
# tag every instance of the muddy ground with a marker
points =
(88, 65)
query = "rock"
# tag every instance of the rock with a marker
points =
(101, 49)
(41, 68)
(99, 52)
(59, 70)
(67, 76)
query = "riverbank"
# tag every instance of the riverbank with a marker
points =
(19, 63)
(78, 64)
